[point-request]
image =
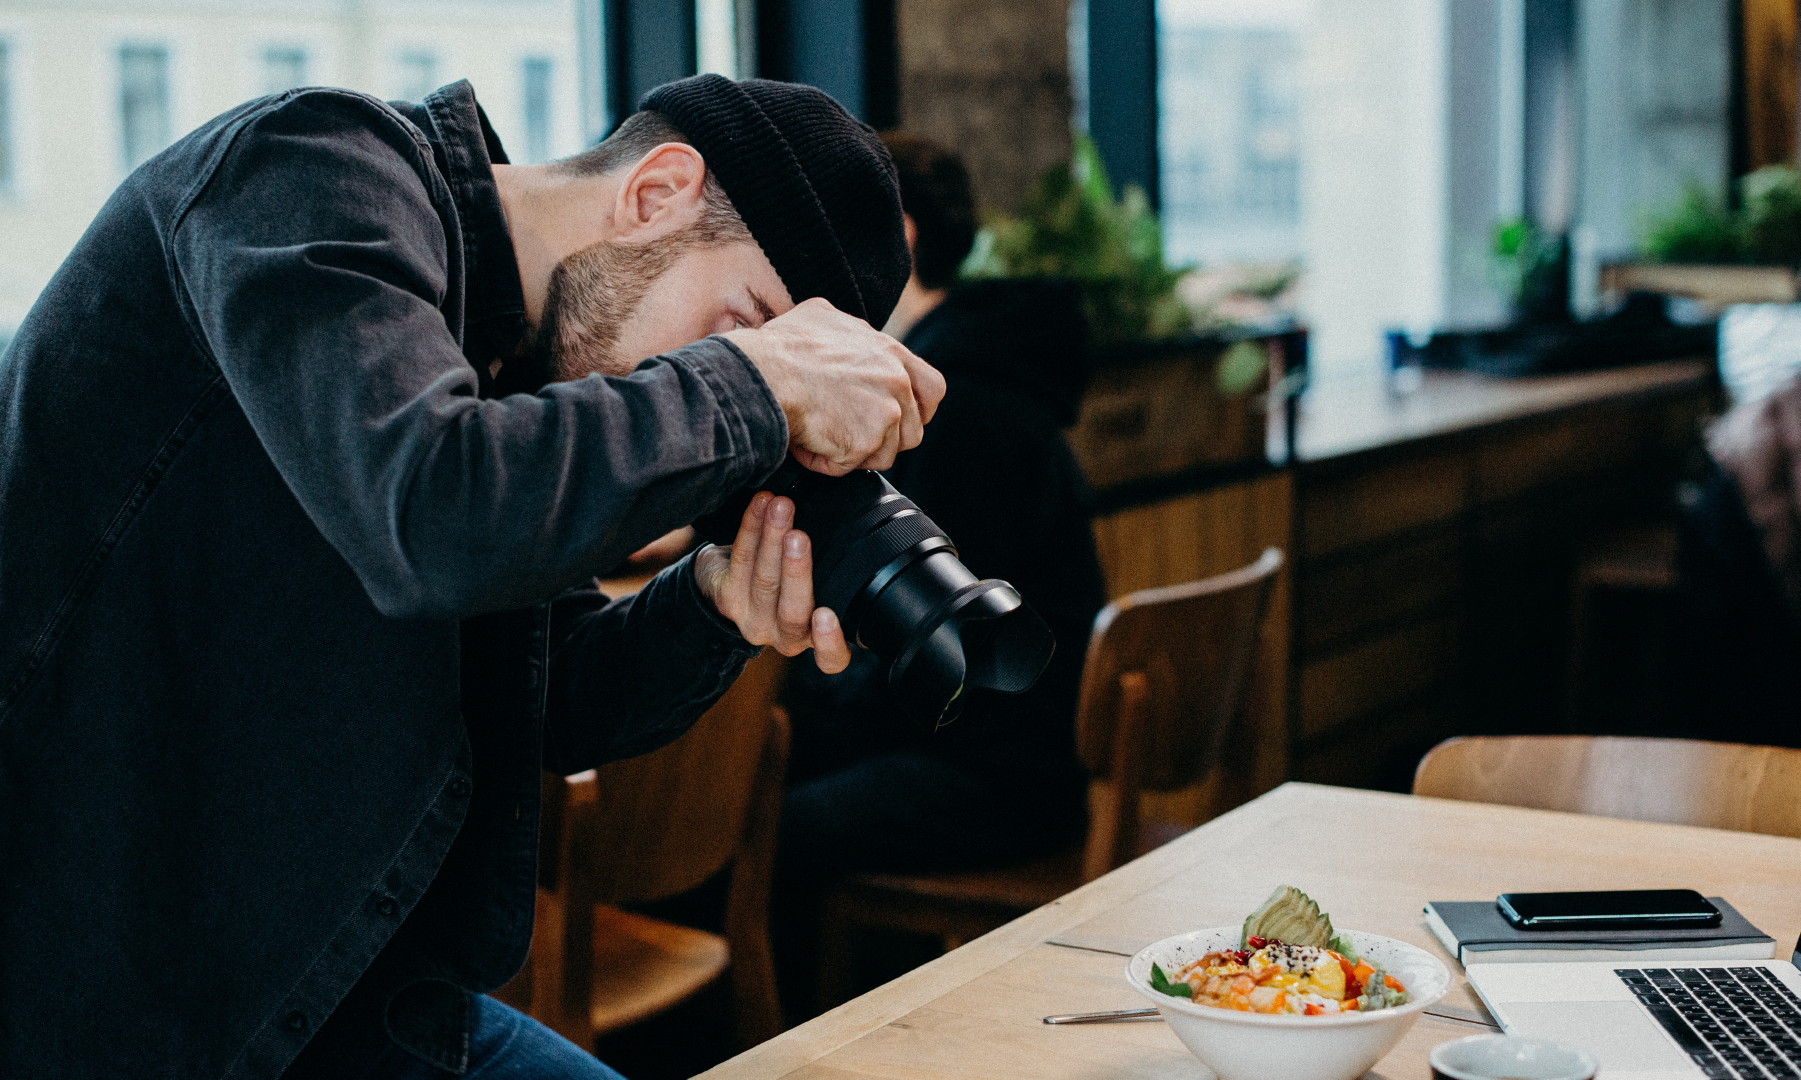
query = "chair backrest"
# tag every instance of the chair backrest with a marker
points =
(1194, 644)
(658, 825)
(1164, 685)
(1678, 781)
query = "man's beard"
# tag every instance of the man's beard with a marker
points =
(591, 296)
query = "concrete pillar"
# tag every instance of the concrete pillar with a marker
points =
(991, 80)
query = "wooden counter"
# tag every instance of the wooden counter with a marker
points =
(1431, 540)
(1346, 417)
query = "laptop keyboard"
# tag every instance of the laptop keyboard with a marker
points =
(1738, 1022)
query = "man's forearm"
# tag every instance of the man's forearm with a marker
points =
(631, 675)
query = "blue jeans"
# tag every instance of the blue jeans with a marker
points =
(506, 1045)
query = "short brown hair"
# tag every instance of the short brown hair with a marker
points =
(934, 190)
(641, 133)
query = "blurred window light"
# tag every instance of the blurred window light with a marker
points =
(1229, 128)
(90, 89)
(716, 37)
(143, 101)
(536, 75)
(418, 74)
(1760, 348)
(7, 168)
(284, 68)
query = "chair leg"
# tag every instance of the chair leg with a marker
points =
(837, 951)
(756, 1003)
(1113, 836)
(1576, 674)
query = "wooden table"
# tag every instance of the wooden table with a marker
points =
(1371, 859)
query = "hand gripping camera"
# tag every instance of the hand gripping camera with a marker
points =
(894, 580)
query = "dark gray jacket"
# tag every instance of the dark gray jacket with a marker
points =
(278, 643)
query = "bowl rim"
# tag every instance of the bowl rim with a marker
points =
(1184, 1007)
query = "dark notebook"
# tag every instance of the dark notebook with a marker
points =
(1477, 933)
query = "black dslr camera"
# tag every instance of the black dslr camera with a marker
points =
(893, 578)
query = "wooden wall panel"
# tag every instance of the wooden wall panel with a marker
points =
(1374, 676)
(1367, 506)
(1547, 454)
(1197, 536)
(1771, 80)
(1193, 536)
(1342, 597)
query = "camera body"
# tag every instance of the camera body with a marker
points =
(894, 580)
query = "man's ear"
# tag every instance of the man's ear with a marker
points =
(912, 229)
(661, 195)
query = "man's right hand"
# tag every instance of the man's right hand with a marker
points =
(854, 396)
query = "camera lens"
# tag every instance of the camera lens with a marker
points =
(894, 579)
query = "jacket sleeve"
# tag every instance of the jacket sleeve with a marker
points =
(315, 257)
(600, 706)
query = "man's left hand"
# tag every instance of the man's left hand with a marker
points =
(764, 584)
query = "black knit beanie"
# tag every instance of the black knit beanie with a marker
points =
(813, 184)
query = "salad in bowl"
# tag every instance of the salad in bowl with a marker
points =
(1285, 996)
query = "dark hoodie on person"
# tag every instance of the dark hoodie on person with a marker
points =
(994, 471)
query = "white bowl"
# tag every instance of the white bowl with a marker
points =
(1258, 1046)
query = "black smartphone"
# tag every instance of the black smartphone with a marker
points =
(1633, 909)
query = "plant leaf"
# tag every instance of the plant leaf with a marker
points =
(1160, 983)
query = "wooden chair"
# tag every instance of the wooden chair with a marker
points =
(1639, 560)
(647, 829)
(1678, 781)
(1164, 689)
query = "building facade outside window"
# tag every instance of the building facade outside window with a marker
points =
(535, 71)
(143, 102)
(284, 68)
(89, 90)
(1229, 128)
(7, 168)
(418, 74)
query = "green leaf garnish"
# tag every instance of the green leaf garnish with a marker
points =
(1160, 983)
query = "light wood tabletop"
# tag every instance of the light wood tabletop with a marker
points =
(1371, 859)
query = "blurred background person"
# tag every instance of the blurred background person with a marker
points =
(869, 788)
(1740, 567)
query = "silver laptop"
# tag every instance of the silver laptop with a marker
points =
(1737, 1020)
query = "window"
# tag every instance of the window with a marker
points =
(284, 68)
(418, 75)
(6, 119)
(536, 71)
(155, 68)
(143, 101)
(716, 36)
(1229, 127)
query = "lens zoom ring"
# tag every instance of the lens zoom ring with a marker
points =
(869, 554)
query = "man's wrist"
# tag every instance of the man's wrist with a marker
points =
(755, 380)
(754, 345)
(704, 568)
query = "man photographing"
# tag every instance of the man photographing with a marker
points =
(310, 447)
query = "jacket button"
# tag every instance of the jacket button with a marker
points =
(297, 1020)
(459, 787)
(387, 906)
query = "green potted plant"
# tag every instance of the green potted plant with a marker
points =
(1702, 248)
(1162, 398)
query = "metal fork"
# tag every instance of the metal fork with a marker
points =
(1102, 1017)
